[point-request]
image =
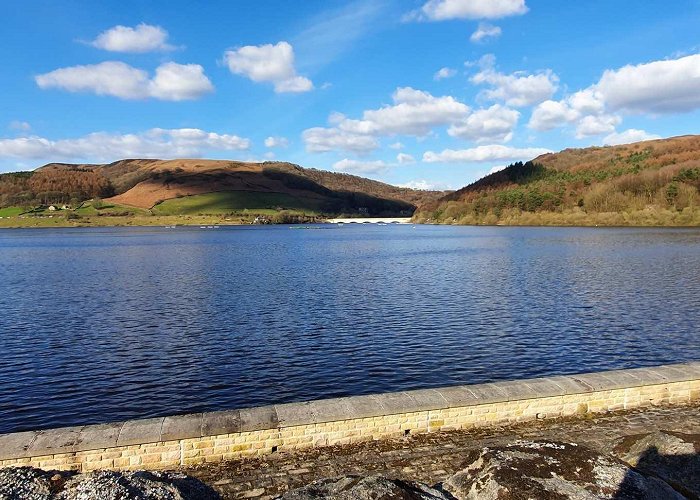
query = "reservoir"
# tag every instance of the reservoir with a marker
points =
(107, 324)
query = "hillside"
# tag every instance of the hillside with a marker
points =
(187, 186)
(647, 183)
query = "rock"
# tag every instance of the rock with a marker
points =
(364, 488)
(549, 470)
(27, 483)
(671, 456)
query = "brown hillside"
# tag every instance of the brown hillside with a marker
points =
(650, 182)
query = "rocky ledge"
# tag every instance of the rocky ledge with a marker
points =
(658, 465)
(523, 470)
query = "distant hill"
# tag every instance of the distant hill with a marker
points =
(647, 183)
(187, 186)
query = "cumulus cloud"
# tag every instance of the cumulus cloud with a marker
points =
(404, 158)
(142, 38)
(276, 142)
(597, 125)
(441, 10)
(321, 140)
(629, 136)
(414, 112)
(516, 89)
(268, 63)
(103, 146)
(494, 124)
(425, 185)
(172, 81)
(493, 152)
(585, 109)
(657, 87)
(444, 73)
(360, 167)
(484, 32)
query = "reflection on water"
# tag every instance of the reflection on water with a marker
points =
(109, 324)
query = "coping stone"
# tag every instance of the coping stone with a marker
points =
(93, 437)
(544, 388)
(293, 414)
(53, 441)
(488, 393)
(140, 431)
(364, 406)
(567, 384)
(181, 427)
(216, 423)
(331, 410)
(457, 396)
(428, 399)
(517, 390)
(259, 418)
(396, 402)
(676, 373)
(16, 445)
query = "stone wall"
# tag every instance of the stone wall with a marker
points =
(211, 437)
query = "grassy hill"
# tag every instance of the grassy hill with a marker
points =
(646, 183)
(204, 187)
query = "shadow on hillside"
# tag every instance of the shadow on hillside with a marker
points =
(680, 472)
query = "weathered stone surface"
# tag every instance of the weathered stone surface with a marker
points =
(16, 445)
(551, 470)
(106, 485)
(27, 483)
(364, 488)
(221, 422)
(140, 431)
(181, 427)
(671, 456)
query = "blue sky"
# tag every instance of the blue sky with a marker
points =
(424, 93)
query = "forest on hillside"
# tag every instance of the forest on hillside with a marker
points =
(656, 184)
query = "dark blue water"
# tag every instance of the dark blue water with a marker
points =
(109, 324)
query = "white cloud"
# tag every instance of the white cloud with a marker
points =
(276, 142)
(441, 10)
(584, 108)
(103, 146)
(172, 82)
(360, 167)
(268, 63)
(425, 185)
(517, 89)
(492, 152)
(629, 136)
(444, 73)
(414, 112)
(404, 158)
(396, 145)
(20, 126)
(497, 168)
(179, 82)
(484, 32)
(597, 125)
(319, 140)
(551, 114)
(494, 124)
(142, 38)
(671, 86)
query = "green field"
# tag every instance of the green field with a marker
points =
(229, 202)
(11, 211)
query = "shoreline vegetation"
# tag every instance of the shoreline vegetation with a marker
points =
(651, 183)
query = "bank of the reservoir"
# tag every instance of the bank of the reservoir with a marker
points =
(173, 441)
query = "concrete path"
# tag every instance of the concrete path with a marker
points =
(431, 458)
